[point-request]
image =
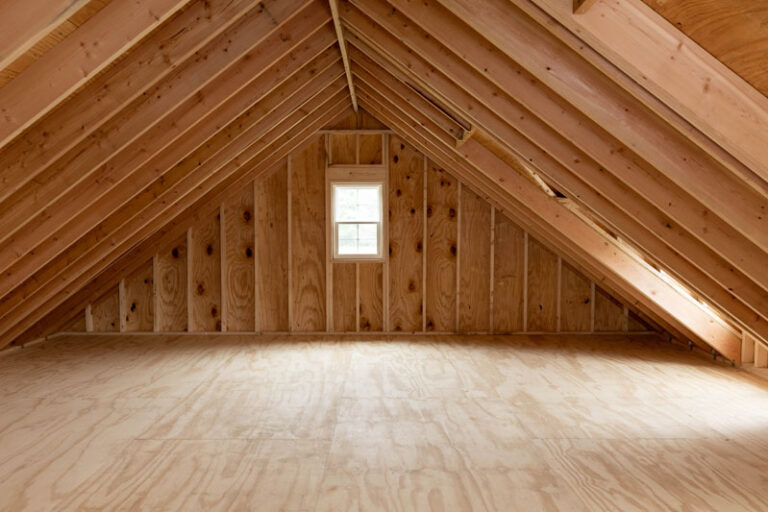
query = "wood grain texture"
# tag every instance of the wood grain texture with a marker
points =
(370, 149)
(542, 287)
(204, 260)
(637, 324)
(272, 259)
(77, 324)
(171, 288)
(442, 249)
(371, 284)
(344, 297)
(609, 313)
(238, 276)
(307, 182)
(733, 31)
(475, 263)
(139, 306)
(105, 312)
(106, 422)
(406, 231)
(508, 275)
(575, 298)
(342, 148)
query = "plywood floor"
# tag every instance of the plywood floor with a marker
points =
(231, 423)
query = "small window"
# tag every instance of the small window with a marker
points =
(357, 216)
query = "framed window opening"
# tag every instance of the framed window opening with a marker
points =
(357, 219)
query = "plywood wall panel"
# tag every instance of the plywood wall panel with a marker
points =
(342, 147)
(77, 324)
(636, 324)
(344, 297)
(105, 312)
(442, 250)
(271, 206)
(609, 313)
(509, 275)
(371, 285)
(474, 263)
(370, 149)
(205, 275)
(406, 232)
(453, 262)
(575, 300)
(238, 277)
(308, 250)
(171, 288)
(542, 287)
(137, 300)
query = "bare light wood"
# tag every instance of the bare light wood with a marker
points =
(137, 300)
(204, 281)
(101, 422)
(307, 219)
(171, 288)
(343, 49)
(406, 217)
(441, 249)
(475, 264)
(238, 276)
(78, 58)
(272, 253)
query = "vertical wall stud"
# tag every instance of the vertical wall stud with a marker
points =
(592, 307)
(189, 280)
(88, 318)
(748, 345)
(525, 281)
(558, 314)
(155, 300)
(122, 307)
(458, 258)
(290, 244)
(223, 268)
(493, 265)
(424, 243)
(256, 290)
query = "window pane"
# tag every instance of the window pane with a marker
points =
(347, 246)
(360, 203)
(368, 232)
(348, 232)
(358, 239)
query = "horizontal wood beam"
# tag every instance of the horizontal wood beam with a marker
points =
(81, 55)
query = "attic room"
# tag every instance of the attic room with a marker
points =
(379, 255)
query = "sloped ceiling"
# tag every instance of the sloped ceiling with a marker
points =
(143, 123)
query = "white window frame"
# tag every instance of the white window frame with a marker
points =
(357, 176)
(334, 185)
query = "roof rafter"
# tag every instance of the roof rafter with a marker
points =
(649, 289)
(69, 64)
(260, 155)
(188, 124)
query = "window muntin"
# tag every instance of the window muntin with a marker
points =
(357, 210)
